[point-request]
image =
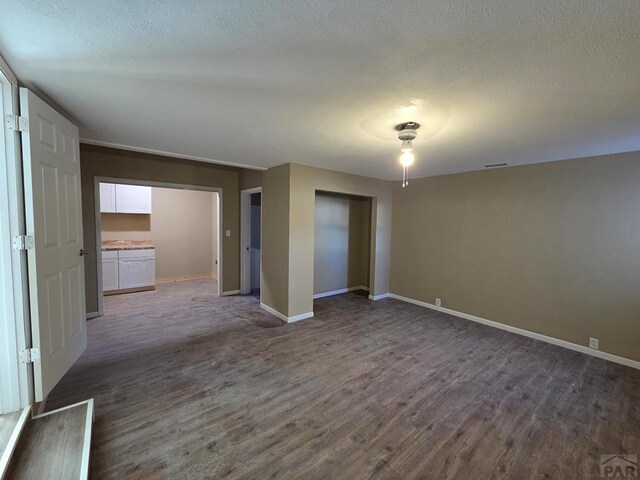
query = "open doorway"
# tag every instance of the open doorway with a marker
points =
(251, 220)
(153, 234)
(342, 244)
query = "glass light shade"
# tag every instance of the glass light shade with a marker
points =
(406, 159)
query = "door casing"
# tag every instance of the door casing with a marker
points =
(16, 378)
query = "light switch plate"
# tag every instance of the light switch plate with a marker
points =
(228, 233)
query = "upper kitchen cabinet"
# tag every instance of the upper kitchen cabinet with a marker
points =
(107, 197)
(117, 198)
(133, 199)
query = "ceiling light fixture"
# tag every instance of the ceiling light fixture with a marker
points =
(407, 133)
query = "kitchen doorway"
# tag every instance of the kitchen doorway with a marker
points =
(154, 233)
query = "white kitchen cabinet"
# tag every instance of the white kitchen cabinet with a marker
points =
(107, 197)
(124, 269)
(136, 268)
(133, 199)
(110, 270)
(118, 198)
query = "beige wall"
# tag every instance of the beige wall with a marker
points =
(106, 162)
(182, 232)
(124, 226)
(289, 202)
(250, 178)
(552, 248)
(275, 237)
(182, 227)
(341, 242)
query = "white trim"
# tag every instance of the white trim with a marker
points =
(283, 317)
(339, 291)
(150, 183)
(163, 153)
(302, 316)
(217, 264)
(6, 70)
(98, 232)
(380, 296)
(16, 378)
(91, 315)
(230, 292)
(86, 448)
(527, 333)
(5, 459)
(61, 409)
(253, 190)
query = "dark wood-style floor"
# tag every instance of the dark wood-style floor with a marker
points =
(191, 386)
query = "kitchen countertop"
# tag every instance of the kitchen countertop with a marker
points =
(126, 245)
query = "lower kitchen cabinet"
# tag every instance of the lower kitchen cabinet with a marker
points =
(128, 269)
(136, 268)
(110, 270)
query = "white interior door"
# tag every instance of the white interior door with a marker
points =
(51, 168)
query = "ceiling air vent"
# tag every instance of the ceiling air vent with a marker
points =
(496, 165)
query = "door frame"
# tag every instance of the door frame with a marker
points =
(16, 377)
(245, 240)
(148, 183)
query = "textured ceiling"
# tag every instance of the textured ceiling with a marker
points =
(322, 83)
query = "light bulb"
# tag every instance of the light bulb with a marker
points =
(407, 158)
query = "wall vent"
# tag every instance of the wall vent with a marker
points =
(495, 165)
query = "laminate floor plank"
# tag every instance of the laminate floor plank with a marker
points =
(188, 385)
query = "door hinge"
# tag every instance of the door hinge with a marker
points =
(23, 242)
(17, 123)
(30, 355)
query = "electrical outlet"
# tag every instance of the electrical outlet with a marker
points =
(438, 302)
(228, 233)
(594, 343)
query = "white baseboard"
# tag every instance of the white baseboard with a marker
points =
(91, 315)
(302, 316)
(230, 292)
(527, 333)
(339, 291)
(283, 317)
(379, 297)
(273, 311)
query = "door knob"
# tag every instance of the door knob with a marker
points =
(84, 252)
